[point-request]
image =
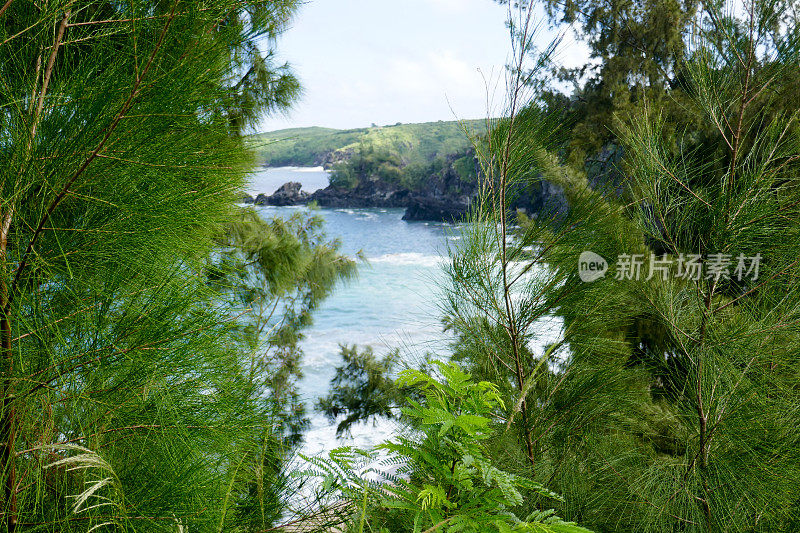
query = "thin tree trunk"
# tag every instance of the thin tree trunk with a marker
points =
(702, 418)
(513, 333)
(7, 431)
(8, 434)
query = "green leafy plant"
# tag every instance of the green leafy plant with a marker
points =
(444, 479)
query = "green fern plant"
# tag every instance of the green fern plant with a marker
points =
(444, 479)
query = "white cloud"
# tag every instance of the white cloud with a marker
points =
(436, 80)
(384, 61)
(450, 5)
(453, 69)
(405, 75)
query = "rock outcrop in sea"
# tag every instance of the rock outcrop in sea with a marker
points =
(288, 194)
(368, 193)
(445, 196)
(433, 203)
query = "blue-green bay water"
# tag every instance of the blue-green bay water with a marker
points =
(392, 304)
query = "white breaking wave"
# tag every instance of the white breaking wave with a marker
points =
(359, 212)
(294, 169)
(277, 207)
(409, 258)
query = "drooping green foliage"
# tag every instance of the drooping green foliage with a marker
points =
(276, 273)
(273, 274)
(257, 84)
(362, 388)
(125, 401)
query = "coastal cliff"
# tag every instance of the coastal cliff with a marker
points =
(429, 170)
(444, 196)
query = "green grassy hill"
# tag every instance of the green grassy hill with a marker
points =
(411, 144)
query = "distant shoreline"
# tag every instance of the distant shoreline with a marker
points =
(296, 168)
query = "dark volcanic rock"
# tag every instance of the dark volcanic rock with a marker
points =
(447, 198)
(330, 196)
(444, 197)
(247, 199)
(289, 194)
(444, 209)
(368, 193)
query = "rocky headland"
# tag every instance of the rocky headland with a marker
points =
(435, 202)
(445, 195)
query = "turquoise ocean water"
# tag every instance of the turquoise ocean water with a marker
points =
(392, 304)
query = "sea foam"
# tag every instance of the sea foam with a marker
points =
(409, 258)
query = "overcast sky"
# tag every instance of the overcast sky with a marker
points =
(387, 61)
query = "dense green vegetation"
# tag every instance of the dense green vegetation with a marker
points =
(150, 329)
(446, 477)
(411, 143)
(143, 386)
(305, 147)
(403, 154)
(670, 400)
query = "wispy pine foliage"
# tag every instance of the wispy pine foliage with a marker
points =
(124, 399)
(273, 274)
(672, 404)
(362, 388)
(495, 295)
